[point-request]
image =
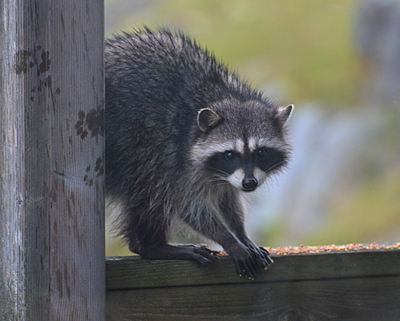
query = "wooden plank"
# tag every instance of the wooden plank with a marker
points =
(51, 160)
(362, 285)
(133, 272)
(371, 298)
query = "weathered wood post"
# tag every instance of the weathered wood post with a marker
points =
(51, 160)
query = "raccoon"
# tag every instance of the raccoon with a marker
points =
(185, 140)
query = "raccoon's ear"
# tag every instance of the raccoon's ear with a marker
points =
(283, 114)
(207, 119)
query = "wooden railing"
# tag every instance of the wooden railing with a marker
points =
(339, 285)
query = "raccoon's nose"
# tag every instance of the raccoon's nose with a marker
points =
(249, 184)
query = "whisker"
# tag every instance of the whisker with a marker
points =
(275, 165)
(218, 170)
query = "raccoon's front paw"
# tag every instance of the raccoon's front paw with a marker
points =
(201, 254)
(247, 263)
(246, 268)
(244, 261)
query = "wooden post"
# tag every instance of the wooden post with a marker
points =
(51, 160)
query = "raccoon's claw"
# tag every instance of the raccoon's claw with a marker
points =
(262, 257)
(199, 253)
(246, 269)
(203, 249)
(206, 256)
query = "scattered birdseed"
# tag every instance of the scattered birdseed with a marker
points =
(330, 248)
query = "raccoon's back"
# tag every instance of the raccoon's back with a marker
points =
(161, 70)
(151, 105)
(156, 82)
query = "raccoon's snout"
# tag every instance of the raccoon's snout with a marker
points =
(249, 184)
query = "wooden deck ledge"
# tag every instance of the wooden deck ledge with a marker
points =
(334, 285)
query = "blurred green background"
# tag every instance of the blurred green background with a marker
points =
(332, 59)
(301, 46)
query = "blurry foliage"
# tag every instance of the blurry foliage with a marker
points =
(299, 47)
(365, 214)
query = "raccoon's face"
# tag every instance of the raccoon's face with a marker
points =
(236, 151)
(245, 165)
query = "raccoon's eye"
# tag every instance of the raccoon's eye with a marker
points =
(229, 155)
(269, 158)
(262, 153)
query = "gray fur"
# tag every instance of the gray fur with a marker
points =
(172, 112)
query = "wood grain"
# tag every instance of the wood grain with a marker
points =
(51, 160)
(362, 285)
(373, 298)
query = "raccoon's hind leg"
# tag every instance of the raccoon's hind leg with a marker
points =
(149, 240)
